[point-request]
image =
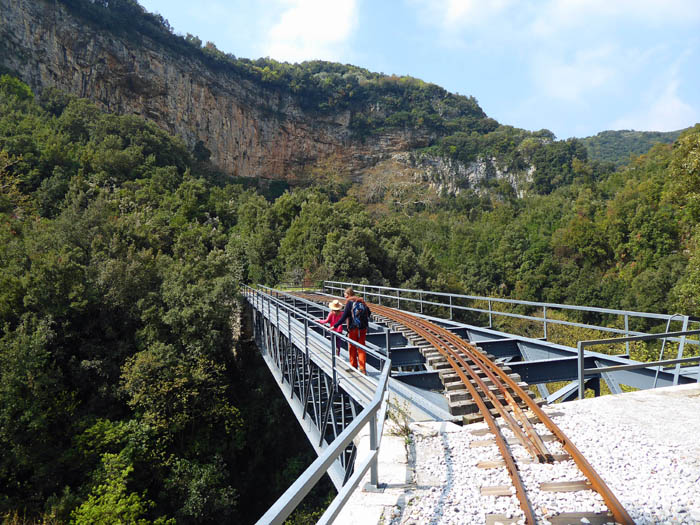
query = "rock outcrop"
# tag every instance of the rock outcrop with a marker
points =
(251, 130)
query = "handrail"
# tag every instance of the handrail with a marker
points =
(582, 372)
(345, 338)
(375, 291)
(663, 344)
(373, 414)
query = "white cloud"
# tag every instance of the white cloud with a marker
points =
(459, 12)
(542, 18)
(453, 16)
(312, 29)
(570, 80)
(563, 16)
(664, 110)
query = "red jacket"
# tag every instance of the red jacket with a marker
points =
(333, 317)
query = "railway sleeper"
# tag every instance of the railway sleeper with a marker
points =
(468, 406)
(432, 354)
(565, 518)
(593, 518)
(455, 383)
(441, 365)
(459, 387)
(448, 376)
(547, 438)
(476, 417)
(464, 394)
(462, 403)
(499, 463)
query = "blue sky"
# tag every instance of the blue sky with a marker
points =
(575, 67)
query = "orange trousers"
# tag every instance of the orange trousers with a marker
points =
(357, 354)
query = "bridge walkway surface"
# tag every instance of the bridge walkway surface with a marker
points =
(422, 410)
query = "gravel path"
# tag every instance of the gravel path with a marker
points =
(645, 445)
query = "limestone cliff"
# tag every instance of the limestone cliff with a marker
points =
(251, 130)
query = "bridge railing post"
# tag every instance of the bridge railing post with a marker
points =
(278, 358)
(387, 334)
(334, 344)
(544, 316)
(373, 445)
(270, 350)
(581, 378)
(677, 371)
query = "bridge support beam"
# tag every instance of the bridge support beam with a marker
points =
(322, 408)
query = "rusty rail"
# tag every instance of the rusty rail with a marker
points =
(453, 348)
(424, 327)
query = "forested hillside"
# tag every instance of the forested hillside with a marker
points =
(618, 147)
(125, 393)
(263, 119)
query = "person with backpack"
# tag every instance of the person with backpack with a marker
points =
(356, 314)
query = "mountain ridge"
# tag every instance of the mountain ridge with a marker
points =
(265, 119)
(619, 146)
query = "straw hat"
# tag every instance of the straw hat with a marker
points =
(335, 305)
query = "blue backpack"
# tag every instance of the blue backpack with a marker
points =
(359, 315)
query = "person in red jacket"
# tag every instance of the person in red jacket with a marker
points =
(357, 318)
(333, 316)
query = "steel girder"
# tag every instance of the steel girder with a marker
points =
(323, 408)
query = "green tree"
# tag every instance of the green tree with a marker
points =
(111, 502)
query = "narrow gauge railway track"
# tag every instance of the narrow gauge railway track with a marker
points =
(468, 361)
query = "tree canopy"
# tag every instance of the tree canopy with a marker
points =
(121, 396)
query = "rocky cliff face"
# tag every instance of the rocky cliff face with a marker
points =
(250, 130)
(445, 175)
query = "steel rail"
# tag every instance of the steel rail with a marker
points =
(618, 511)
(597, 483)
(543, 454)
(429, 331)
(527, 442)
(508, 458)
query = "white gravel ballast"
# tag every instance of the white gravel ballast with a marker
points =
(645, 445)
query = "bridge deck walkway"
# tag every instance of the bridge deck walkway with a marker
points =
(361, 387)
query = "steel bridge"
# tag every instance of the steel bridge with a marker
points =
(334, 403)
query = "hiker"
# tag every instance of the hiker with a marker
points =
(356, 313)
(333, 316)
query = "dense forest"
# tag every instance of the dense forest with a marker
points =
(126, 393)
(618, 147)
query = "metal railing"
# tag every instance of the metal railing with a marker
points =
(583, 372)
(337, 335)
(373, 415)
(396, 296)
